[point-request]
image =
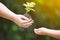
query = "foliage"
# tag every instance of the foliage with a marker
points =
(29, 6)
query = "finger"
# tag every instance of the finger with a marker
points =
(29, 23)
(35, 30)
(25, 21)
(25, 18)
(26, 25)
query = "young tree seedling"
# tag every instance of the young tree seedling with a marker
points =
(29, 7)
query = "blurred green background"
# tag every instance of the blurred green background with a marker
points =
(47, 15)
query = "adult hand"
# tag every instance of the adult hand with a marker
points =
(20, 20)
(23, 21)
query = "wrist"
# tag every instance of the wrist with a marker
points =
(12, 17)
(46, 31)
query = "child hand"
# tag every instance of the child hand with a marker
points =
(40, 31)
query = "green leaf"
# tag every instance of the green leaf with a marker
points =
(29, 6)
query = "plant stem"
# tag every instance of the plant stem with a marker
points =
(26, 12)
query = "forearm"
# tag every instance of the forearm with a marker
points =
(6, 13)
(53, 33)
